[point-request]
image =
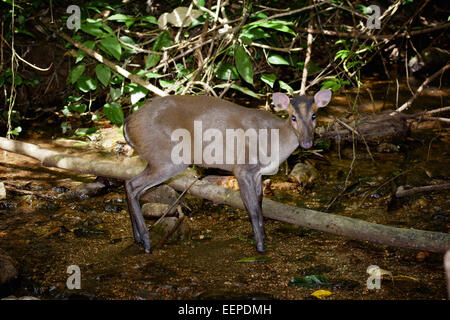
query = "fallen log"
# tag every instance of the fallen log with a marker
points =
(331, 223)
(374, 129)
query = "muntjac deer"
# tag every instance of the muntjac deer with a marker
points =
(154, 131)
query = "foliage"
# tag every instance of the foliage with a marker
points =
(248, 49)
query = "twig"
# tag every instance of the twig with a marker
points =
(12, 188)
(401, 192)
(25, 61)
(171, 231)
(173, 204)
(275, 16)
(350, 170)
(308, 53)
(357, 34)
(356, 132)
(443, 109)
(446, 120)
(264, 46)
(408, 103)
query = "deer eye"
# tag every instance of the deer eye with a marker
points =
(294, 118)
(314, 116)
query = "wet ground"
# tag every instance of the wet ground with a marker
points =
(46, 235)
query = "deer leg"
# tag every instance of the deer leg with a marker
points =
(251, 192)
(135, 187)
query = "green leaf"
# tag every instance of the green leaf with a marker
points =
(312, 281)
(115, 93)
(163, 40)
(75, 73)
(92, 27)
(32, 82)
(109, 30)
(117, 78)
(285, 86)
(343, 41)
(79, 108)
(226, 71)
(255, 34)
(65, 126)
(138, 93)
(279, 25)
(275, 58)
(152, 60)
(86, 84)
(149, 19)
(269, 78)
(74, 98)
(260, 259)
(243, 64)
(128, 20)
(81, 54)
(24, 31)
(83, 132)
(239, 88)
(18, 80)
(114, 112)
(166, 84)
(128, 40)
(182, 71)
(16, 131)
(65, 111)
(153, 75)
(103, 74)
(112, 46)
(342, 54)
(259, 16)
(334, 84)
(365, 10)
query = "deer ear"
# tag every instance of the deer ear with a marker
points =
(281, 101)
(322, 98)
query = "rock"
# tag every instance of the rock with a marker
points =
(161, 194)
(158, 200)
(157, 209)
(347, 153)
(168, 223)
(60, 189)
(91, 228)
(100, 186)
(8, 271)
(304, 174)
(7, 205)
(387, 148)
(87, 190)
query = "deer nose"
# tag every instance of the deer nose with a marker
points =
(306, 145)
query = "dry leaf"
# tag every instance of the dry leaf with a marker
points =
(321, 294)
